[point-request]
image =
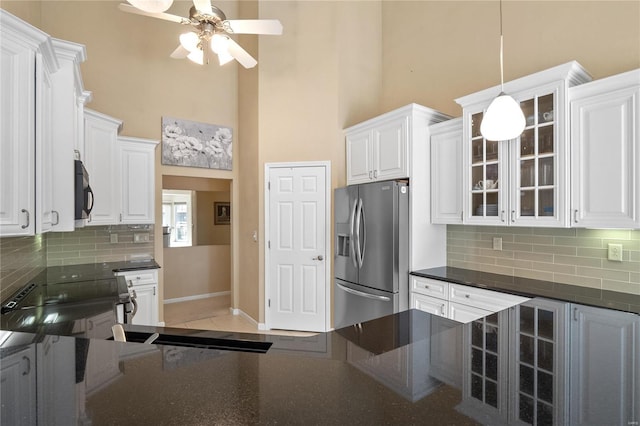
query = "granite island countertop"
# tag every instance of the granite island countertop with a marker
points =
(407, 368)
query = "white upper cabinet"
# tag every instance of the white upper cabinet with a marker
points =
(605, 157)
(381, 148)
(27, 60)
(67, 131)
(137, 160)
(101, 159)
(446, 172)
(525, 181)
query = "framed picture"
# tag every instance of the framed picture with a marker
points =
(191, 144)
(221, 213)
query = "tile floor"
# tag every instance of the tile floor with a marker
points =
(214, 314)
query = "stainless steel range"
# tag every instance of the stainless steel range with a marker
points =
(68, 302)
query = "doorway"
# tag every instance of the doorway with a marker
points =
(297, 246)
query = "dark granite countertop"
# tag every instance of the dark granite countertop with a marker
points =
(535, 288)
(408, 368)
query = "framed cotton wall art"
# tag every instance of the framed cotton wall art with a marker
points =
(191, 144)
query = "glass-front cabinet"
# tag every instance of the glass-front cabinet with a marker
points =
(524, 181)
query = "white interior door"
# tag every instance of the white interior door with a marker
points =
(296, 288)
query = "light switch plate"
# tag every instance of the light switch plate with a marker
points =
(615, 252)
(113, 238)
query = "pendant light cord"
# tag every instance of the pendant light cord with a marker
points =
(501, 53)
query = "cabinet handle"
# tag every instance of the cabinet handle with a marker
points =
(575, 314)
(28, 219)
(513, 215)
(467, 296)
(502, 216)
(370, 174)
(375, 174)
(461, 216)
(575, 215)
(120, 217)
(28, 370)
(130, 283)
(57, 217)
(426, 286)
(442, 309)
(154, 290)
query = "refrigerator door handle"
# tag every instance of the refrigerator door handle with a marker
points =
(364, 234)
(358, 247)
(363, 294)
(351, 235)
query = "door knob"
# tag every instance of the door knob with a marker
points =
(318, 258)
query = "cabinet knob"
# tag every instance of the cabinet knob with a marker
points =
(426, 286)
(467, 296)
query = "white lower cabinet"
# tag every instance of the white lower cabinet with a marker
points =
(458, 302)
(18, 374)
(144, 285)
(605, 367)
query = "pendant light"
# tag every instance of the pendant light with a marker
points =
(152, 6)
(504, 119)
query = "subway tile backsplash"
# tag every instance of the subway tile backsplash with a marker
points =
(21, 259)
(93, 244)
(569, 256)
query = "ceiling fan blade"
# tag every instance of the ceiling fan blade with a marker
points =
(203, 6)
(180, 52)
(166, 16)
(254, 26)
(241, 55)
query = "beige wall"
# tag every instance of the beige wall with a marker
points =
(207, 232)
(197, 270)
(337, 63)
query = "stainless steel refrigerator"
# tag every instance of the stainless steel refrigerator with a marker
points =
(371, 256)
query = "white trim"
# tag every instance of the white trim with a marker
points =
(258, 325)
(196, 297)
(328, 240)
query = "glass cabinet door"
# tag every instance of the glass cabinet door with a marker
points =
(536, 161)
(484, 174)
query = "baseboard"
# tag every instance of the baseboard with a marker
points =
(196, 297)
(259, 325)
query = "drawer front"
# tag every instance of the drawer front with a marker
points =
(493, 301)
(140, 277)
(465, 313)
(428, 287)
(431, 305)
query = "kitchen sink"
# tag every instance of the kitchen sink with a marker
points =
(199, 342)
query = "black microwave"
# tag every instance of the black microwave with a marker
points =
(83, 192)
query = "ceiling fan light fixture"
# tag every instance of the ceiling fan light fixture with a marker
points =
(196, 56)
(503, 120)
(190, 41)
(152, 6)
(220, 44)
(224, 57)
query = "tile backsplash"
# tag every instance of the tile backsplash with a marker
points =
(21, 258)
(93, 244)
(569, 256)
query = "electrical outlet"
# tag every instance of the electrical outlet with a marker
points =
(615, 252)
(497, 243)
(113, 238)
(142, 237)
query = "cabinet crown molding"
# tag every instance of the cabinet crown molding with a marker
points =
(431, 115)
(572, 72)
(105, 117)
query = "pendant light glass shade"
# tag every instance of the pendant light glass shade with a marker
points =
(152, 6)
(224, 57)
(504, 119)
(197, 56)
(220, 44)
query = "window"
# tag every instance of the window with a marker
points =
(177, 212)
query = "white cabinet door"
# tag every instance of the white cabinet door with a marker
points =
(44, 148)
(429, 287)
(605, 366)
(147, 299)
(605, 141)
(137, 160)
(446, 172)
(359, 157)
(428, 304)
(17, 138)
(465, 313)
(391, 149)
(102, 163)
(18, 383)
(56, 373)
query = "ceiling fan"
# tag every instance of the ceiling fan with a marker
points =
(211, 30)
